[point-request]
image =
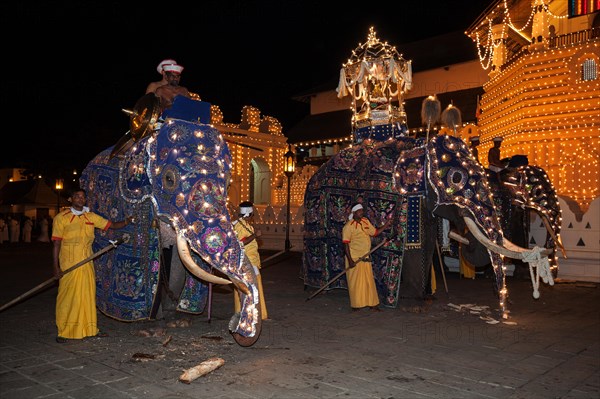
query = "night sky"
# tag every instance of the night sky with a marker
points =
(70, 67)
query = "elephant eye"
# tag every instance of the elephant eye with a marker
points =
(170, 179)
(456, 178)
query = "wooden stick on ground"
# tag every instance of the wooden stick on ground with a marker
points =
(203, 368)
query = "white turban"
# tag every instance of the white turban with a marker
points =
(173, 68)
(245, 211)
(354, 209)
(160, 66)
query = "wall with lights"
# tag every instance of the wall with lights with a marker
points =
(545, 102)
(256, 138)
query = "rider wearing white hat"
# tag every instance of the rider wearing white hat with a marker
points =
(160, 69)
(160, 66)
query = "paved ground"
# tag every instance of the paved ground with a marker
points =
(310, 349)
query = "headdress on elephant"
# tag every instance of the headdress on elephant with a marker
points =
(160, 66)
(451, 117)
(431, 109)
(246, 209)
(354, 209)
(173, 68)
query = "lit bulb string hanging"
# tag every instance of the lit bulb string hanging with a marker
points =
(490, 44)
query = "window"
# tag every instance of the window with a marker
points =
(589, 70)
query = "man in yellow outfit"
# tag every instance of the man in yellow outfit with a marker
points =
(356, 236)
(73, 235)
(245, 233)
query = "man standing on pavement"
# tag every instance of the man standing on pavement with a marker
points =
(73, 235)
(356, 236)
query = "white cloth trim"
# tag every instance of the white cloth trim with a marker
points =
(81, 212)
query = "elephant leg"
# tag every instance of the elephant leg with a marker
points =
(415, 283)
(175, 270)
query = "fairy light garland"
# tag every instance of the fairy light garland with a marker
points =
(543, 104)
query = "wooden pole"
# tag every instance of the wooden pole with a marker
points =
(437, 247)
(69, 270)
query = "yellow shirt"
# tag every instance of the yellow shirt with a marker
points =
(358, 236)
(243, 230)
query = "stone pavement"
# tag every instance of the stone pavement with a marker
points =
(310, 349)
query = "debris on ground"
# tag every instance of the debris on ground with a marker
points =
(144, 357)
(483, 312)
(151, 332)
(180, 323)
(213, 337)
(203, 368)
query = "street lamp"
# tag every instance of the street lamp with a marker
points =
(289, 168)
(58, 186)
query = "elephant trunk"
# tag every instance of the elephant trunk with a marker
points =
(253, 309)
(235, 324)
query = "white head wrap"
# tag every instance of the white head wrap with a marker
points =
(354, 209)
(245, 211)
(173, 68)
(160, 66)
(497, 139)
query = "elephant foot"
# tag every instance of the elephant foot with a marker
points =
(240, 339)
(418, 305)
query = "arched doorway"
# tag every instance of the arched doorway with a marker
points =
(260, 181)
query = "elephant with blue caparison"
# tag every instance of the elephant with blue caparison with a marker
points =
(176, 175)
(415, 181)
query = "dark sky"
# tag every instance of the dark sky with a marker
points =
(70, 67)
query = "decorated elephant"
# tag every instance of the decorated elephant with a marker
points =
(176, 176)
(519, 189)
(415, 181)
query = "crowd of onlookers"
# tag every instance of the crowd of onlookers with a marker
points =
(24, 229)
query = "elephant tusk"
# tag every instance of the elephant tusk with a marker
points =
(241, 286)
(556, 239)
(514, 247)
(186, 257)
(488, 243)
(457, 237)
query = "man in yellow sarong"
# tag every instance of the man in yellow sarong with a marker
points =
(72, 236)
(356, 236)
(245, 233)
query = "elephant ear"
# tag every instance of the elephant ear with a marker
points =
(458, 179)
(134, 180)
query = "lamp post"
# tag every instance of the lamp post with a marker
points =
(289, 168)
(58, 186)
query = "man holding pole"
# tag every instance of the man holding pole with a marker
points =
(72, 236)
(356, 236)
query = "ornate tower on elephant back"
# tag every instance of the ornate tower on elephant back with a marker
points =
(377, 77)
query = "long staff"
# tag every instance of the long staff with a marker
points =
(69, 270)
(340, 274)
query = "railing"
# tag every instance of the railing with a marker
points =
(557, 41)
(574, 38)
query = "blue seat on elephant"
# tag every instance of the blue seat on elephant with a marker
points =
(188, 110)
